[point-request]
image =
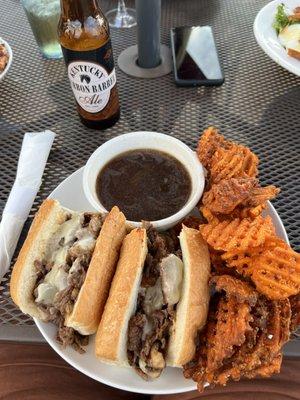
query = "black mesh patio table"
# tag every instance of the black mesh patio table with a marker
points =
(259, 106)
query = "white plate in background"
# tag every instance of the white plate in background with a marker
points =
(70, 194)
(10, 55)
(267, 38)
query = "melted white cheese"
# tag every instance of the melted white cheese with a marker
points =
(153, 298)
(66, 234)
(57, 279)
(54, 281)
(85, 239)
(46, 293)
(68, 229)
(171, 278)
(59, 256)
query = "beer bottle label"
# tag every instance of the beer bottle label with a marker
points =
(92, 76)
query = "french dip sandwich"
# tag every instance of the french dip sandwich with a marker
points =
(157, 303)
(65, 267)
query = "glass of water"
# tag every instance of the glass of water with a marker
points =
(43, 16)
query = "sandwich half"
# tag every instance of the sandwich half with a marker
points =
(158, 301)
(65, 267)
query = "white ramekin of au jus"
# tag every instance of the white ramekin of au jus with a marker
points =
(150, 141)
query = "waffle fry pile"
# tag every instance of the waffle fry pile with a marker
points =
(256, 274)
(235, 229)
(243, 336)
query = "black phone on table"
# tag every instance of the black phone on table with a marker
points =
(195, 56)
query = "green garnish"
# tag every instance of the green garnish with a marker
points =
(281, 19)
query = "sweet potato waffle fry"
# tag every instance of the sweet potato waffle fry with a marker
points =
(252, 348)
(218, 265)
(236, 162)
(273, 267)
(244, 260)
(223, 158)
(237, 233)
(235, 288)
(209, 142)
(225, 196)
(208, 215)
(249, 212)
(238, 194)
(229, 331)
(259, 195)
(276, 272)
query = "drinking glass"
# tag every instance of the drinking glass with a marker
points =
(43, 16)
(121, 17)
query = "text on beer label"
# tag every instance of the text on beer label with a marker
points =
(91, 84)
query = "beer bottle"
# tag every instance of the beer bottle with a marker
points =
(84, 36)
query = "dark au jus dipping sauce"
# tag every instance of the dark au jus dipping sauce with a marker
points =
(145, 184)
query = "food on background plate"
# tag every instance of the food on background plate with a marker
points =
(3, 57)
(145, 184)
(65, 267)
(256, 275)
(287, 27)
(157, 303)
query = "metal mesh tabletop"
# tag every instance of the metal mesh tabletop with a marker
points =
(259, 105)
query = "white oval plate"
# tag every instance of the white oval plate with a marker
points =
(70, 194)
(10, 54)
(267, 38)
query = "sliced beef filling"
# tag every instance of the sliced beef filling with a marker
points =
(135, 334)
(149, 328)
(42, 269)
(79, 251)
(160, 245)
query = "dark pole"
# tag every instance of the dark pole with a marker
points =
(148, 32)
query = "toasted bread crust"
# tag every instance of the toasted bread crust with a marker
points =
(191, 312)
(93, 294)
(111, 338)
(23, 276)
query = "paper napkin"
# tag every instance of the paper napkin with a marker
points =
(35, 150)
